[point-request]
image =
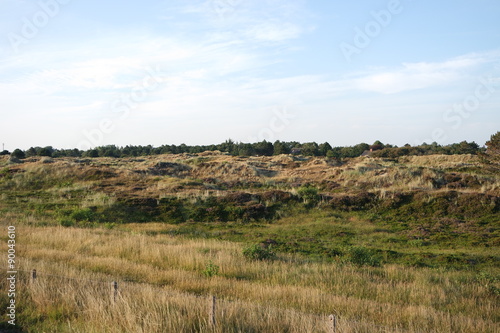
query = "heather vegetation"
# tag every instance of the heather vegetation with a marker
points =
(391, 242)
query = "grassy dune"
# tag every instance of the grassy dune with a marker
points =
(401, 245)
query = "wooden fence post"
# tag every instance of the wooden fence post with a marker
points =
(211, 318)
(33, 275)
(333, 324)
(114, 291)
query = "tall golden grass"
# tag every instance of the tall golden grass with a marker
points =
(160, 276)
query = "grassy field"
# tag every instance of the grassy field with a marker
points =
(405, 245)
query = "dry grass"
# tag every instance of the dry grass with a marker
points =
(443, 161)
(161, 275)
(191, 175)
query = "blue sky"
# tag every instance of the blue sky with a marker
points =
(88, 73)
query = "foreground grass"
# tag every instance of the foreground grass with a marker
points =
(161, 276)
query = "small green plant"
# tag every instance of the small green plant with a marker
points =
(258, 252)
(309, 195)
(65, 184)
(211, 269)
(490, 281)
(66, 223)
(109, 225)
(362, 256)
(83, 215)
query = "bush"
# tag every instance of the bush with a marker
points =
(211, 269)
(362, 256)
(83, 215)
(66, 223)
(18, 153)
(258, 252)
(309, 195)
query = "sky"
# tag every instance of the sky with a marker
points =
(80, 74)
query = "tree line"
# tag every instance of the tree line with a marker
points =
(263, 148)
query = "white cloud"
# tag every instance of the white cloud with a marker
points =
(412, 76)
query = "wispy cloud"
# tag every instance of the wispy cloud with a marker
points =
(412, 76)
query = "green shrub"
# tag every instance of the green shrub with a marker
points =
(83, 215)
(109, 225)
(211, 269)
(18, 153)
(258, 252)
(362, 256)
(66, 223)
(309, 195)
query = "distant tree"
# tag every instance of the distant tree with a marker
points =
(324, 148)
(128, 151)
(264, 148)
(492, 154)
(46, 151)
(4, 152)
(31, 152)
(229, 146)
(493, 145)
(310, 149)
(91, 153)
(75, 152)
(148, 150)
(109, 151)
(468, 147)
(18, 153)
(359, 149)
(165, 149)
(331, 154)
(245, 149)
(347, 152)
(337, 152)
(183, 148)
(280, 148)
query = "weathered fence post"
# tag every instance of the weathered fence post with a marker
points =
(211, 318)
(33, 276)
(333, 323)
(114, 291)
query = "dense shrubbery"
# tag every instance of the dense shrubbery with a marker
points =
(172, 210)
(463, 147)
(363, 256)
(258, 252)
